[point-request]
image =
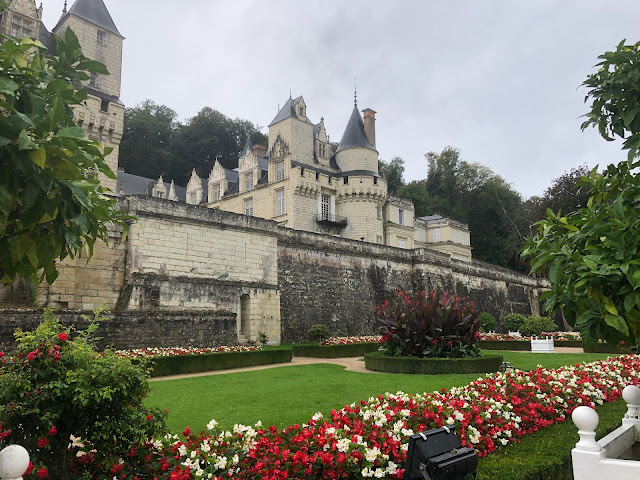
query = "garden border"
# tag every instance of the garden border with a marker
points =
(379, 362)
(524, 345)
(334, 351)
(204, 362)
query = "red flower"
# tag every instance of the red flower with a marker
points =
(43, 442)
(63, 336)
(42, 473)
(149, 417)
(52, 431)
(1, 354)
(31, 356)
(187, 432)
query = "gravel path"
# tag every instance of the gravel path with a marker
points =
(353, 364)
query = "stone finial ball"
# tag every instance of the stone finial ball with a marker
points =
(585, 418)
(14, 461)
(631, 395)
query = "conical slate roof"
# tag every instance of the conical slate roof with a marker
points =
(94, 11)
(288, 110)
(354, 136)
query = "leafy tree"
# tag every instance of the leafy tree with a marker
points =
(592, 255)
(211, 136)
(393, 173)
(51, 203)
(417, 193)
(147, 143)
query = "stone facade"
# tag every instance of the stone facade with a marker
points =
(189, 262)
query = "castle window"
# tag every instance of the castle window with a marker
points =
(104, 105)
(324, 206)
(317, 175)
(279, 171)
(379, 213)
(302, 171)
(21, 27)
(436, 235)
(248, 207)
(101, 38)
(455, 236)
(160, 194)
(216, 192)
(280, 205)
(401, 217)
(464, 239)
(420, 235)
(375, 180)
(248, 182)
(346, 180)
(93, 81)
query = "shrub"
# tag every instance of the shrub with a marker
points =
(55, 385)
(534, 326)
(262, 338)
(318, 333)
(514, 321)
(487, 322)
(379, 362)
(428, 325)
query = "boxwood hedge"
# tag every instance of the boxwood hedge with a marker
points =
(180, 364)
(380, 362)
(522, 345)
(333, 351)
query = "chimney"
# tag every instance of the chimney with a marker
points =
(260, 150)
(370, 125)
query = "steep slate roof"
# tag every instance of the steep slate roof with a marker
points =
(47, 39)
(94, 11)
(137, 185)
(354, 136)
(288, 110)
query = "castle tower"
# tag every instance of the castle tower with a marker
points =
(21, 18)
(294, 130)
(361, 192)
(103, 116)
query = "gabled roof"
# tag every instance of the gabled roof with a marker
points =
(354, 136)
(137, 185)
(288, 110)
(248, 145)
(94, 11)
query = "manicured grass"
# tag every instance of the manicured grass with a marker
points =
(292, 394)
(528, 361)
(281, 396)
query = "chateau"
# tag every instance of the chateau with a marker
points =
(296, 235)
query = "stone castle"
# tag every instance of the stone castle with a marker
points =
(296, 235)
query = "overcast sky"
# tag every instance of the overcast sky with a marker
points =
(498, 80)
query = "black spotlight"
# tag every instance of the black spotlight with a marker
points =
(439, 455)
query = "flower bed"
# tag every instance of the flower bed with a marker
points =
(336, 347)
(173, 351)
(500, 341)
(380, 362)
(193, 363)
(370, 438)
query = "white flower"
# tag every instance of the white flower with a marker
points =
(211, 425)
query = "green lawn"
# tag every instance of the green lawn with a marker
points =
(292, 394)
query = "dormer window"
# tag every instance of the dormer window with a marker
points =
(301, 110)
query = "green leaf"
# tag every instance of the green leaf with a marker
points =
(39, 157)
(71, 132)
(93, 66)
(8, 87)
(608, 304)
(618, 323)
(24, 142)
(629, 301)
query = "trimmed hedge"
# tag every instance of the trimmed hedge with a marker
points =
(380, 362)
(523, 345)
(179, 364)
(604, 348)
(334, 351)
(546, 454)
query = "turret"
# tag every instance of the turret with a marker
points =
(355, 152)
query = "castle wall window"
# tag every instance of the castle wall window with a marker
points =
(159, 194)
(324, 206)
(436, 235)
(420, 235)
(455, 236)
(248, 182)
(216, 192)
(280, 205)
(93, 81)
(21, 27)
(279, 171)
(345, 180)
(464, 240)
(401, 217)
(248, 207)
(101, 38)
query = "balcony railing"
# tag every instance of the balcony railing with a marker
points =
(330, 219)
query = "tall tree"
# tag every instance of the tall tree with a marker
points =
(51, 203)
(393, 173)
(147, 143)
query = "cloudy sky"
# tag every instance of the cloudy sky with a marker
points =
(498, 80)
